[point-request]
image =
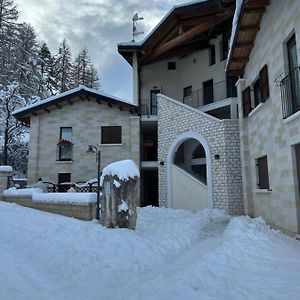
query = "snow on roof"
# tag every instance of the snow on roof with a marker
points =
(161, 22)
(235, 21)
(124, 169)
(22, 192)
(69, 92)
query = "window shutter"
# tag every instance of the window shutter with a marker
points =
(246, 101)
(264, 83)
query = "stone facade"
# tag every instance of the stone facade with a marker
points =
(86, 119)
(265, 132)
(222, 137)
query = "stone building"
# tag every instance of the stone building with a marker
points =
(190, 155)
(265, 53)
(62, 127)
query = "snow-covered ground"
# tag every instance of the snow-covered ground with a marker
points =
(171, 255)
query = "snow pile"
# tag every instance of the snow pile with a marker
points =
(73, 198)
(123, 206)
(88, 183)
(6, 169)
(173, 254)
(123, 169)
(22, 192)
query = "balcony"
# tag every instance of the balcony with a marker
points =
(208, 95)
(290, 93)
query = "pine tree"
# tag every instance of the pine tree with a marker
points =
(63, 67)
(8, 14)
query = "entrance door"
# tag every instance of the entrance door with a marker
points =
(153, 101)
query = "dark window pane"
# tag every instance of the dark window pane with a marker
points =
(111, 135)
(187, 91)
(208, 91)
(257, 93)
(171, 65)
(246, 101)
(263, 174)
(212, 55)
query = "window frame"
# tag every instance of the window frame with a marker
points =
(61, 147)
(104, 136)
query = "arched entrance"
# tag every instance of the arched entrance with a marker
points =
(189, 176)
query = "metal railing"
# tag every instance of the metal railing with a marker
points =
(214, 93)
(290, 93)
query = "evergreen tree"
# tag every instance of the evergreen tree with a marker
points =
(63, 67)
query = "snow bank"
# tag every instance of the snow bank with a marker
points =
(173, 254)
(22, 192)
(70, 198)
(124, 169)
(6, 169)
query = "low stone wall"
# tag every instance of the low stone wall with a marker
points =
(82, 211)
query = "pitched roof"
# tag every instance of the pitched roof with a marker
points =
(183, 25)
(83, 92)
(248, 20)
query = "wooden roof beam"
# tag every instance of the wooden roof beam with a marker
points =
(47, 110)
(58, 106)
(245, 28)
(240, 59)
(244, 44)
(205, 25)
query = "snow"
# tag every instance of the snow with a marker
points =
(124, 169)
(74, 198)
(88, 183)
(22, 192)
(117, 184)
(123, 206)
(172, 254)
(238, 7)
(69, 92)
(6, 169)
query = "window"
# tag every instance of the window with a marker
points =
(246, 101)
(262, 173)
(171, 65)
(111, 135)
(264, 83)
(64, 180)
(153, 101)
(65, 145)
(257, 93)
(212, 55)
(187, 91)
(294, 73)
(208, 91)
(224, 48)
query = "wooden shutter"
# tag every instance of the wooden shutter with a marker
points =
(111, 135)
(263, 174)
(246, 101)
(264, 83)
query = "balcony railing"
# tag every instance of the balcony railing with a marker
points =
(290, 93)
(210, 94)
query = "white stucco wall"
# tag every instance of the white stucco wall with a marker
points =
(265, 132)
(188, 193)
(192, 70)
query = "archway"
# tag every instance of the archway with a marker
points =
(189, 172)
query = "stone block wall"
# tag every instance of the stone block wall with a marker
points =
(265, 132)
(86, 119)
(222, 136)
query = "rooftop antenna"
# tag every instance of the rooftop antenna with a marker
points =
(135, 32)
